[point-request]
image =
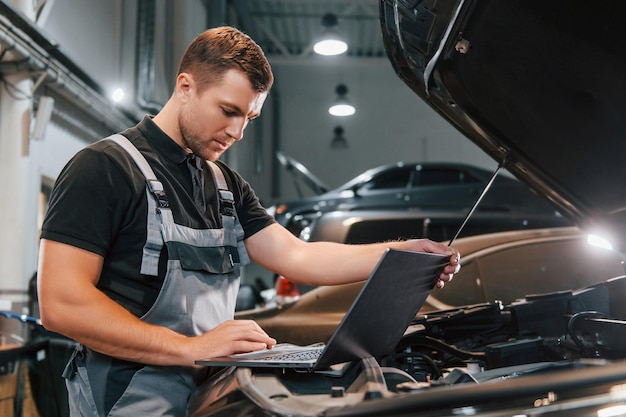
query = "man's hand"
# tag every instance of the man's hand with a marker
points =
(230, 337)
(426, 245)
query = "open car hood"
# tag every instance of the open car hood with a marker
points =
(539, 86)
(301, 173)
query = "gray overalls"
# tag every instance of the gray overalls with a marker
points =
(198, 293)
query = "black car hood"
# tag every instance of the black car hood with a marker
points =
(540, 86)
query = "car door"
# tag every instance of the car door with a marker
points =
(442, 188)
(387, 189)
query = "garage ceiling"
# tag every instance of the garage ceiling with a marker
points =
(287, 28)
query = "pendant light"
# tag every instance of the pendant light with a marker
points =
(341, 106)
(339, 140)
(330, 43)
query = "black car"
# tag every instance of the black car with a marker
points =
(539, 86)
(413, 187)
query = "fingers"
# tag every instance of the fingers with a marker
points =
(452, 267)
(448, 272)
(455, 263)
(427, 245)
(247, 333)
(230, 337)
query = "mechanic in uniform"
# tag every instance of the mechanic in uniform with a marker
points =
(146, 233)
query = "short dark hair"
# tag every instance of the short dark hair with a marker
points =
(220, 49)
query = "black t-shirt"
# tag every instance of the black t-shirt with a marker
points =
(99, 204)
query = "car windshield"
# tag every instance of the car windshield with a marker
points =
(396, 178)
(435, 176)
(411, 175)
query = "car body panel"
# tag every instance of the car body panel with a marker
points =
(368, 226)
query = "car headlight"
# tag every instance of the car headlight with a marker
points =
(300, 224)
(279, 210)
(305, 234)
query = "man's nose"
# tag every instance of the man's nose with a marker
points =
(235, 129)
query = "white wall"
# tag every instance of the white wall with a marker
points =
(100, 37)
(89, 33)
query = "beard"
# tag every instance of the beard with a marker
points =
(194, 140)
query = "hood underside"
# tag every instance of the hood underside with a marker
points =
(539, 86)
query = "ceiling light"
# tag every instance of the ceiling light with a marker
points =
(330, 43)
(330, 46)
(341, 107)
(338, 141)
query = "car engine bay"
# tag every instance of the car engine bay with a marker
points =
(528, 347)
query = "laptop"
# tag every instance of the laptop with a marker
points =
(373, 326)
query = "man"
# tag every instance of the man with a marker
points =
(143, 241)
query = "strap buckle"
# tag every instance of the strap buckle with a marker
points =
(156, 188)
(227, 203)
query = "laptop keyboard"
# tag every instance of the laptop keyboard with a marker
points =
(303, 355)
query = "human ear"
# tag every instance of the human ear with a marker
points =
(184, 84)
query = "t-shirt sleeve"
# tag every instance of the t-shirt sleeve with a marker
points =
(88, 202)
(252, 215)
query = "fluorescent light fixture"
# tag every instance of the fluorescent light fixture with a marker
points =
(341, 106)
(42, 117)
(330, 43)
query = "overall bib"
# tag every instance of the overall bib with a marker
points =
(199, 292)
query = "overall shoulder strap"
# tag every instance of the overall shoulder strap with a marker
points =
(132, 150)
(158, 208)
(227, 198)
